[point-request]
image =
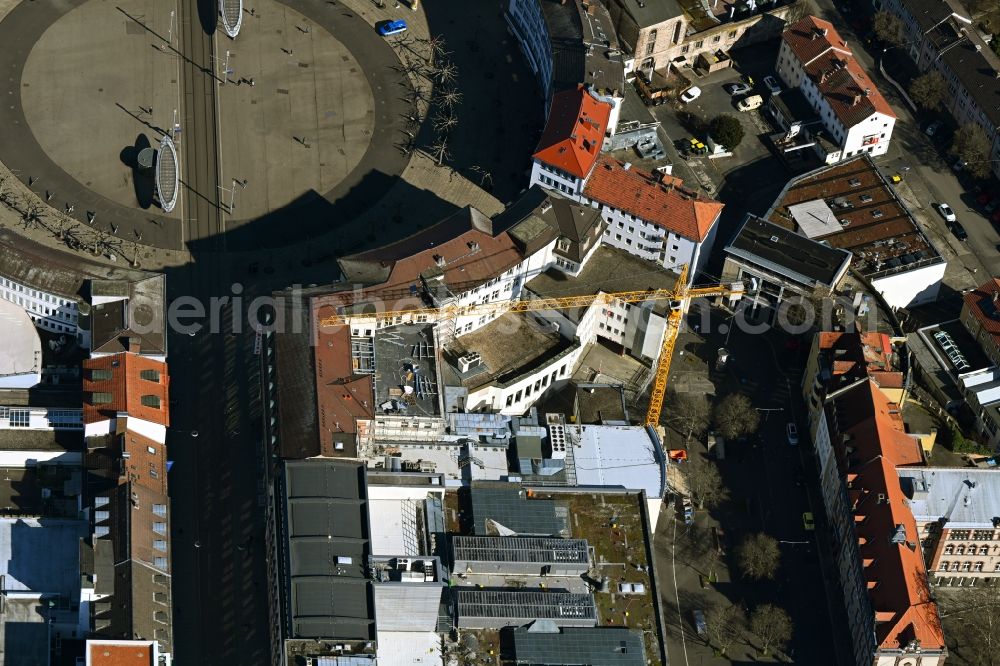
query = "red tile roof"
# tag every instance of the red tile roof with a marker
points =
(137, 653)
(342, 395)
(826, 59)
(574, 132)
(904, 611)
(662, 201)
(127, 388)
(855, 355)
(981, 305)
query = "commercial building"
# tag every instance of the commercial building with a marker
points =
(124, 653)
(568, 44)
(325, 601)
(125, 315)
(495, 609)
(522, 556)
(958, 515)
(21, 355)
(850, 206)
(45, 600)
(686, 33)
(544, 644)
(815, 59)
(126, 385)
(940, 36)
(778, 266)
(859, 439)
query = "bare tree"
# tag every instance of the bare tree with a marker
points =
(439, 150)
(888, 28)
(446, 73)
(772, 626)
(704, 482)
(725, 624)
(759, 557)
(971, 618)
(735, 416)
(449, 99)
(696, 546)
(691, 413)
(437, 47)
(445, 123)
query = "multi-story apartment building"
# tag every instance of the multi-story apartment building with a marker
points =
(854, 390)
(571, 43)
(571, 143)
(940, 36)
(815, 59)
(49, 294)
(957, 513)
(126, 413)
(670, 33)
(652, 215)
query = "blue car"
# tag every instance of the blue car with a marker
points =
(392, 28)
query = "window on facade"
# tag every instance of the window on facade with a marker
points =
(684, 49)
(160, 545)
(150, 375)
(716, 39)
(101, 398)
(100, 374)
(20, 418)
(150, 401)
(649, 48)
(732, 34)
(698, 44)
(160, 528)
(160, 510)
(160, 563)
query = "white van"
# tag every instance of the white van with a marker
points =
(750, 103)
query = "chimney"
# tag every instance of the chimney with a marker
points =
(857, 100)
(823, 75)
(996, 296)
(134, 345)
(825, 31)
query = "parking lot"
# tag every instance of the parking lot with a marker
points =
(755, 63)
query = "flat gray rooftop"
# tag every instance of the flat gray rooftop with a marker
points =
(519, 549)
(965, 497)
(787, 253)
(498, 506)
(327, 532)
(25, 641)
(609, 269)
(41, 558)
(608, 646)
(406, 378)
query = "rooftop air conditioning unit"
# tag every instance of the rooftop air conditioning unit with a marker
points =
(469, 361)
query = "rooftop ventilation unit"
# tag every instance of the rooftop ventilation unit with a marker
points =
(469, 361)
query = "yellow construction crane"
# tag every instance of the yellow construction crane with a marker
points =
(678, 296)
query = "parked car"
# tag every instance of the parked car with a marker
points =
(958, 230)
(392, 27)
(750, 103)
(792, 431)
(933, 128)
(808, 522)
(738, 88)
(959, 165)
(772, 85)
(946, 212)
(691, 94)
(700, 626)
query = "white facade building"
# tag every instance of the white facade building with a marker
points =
(815, 59)
(49, 311)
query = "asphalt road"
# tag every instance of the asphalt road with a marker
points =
(200, 146)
